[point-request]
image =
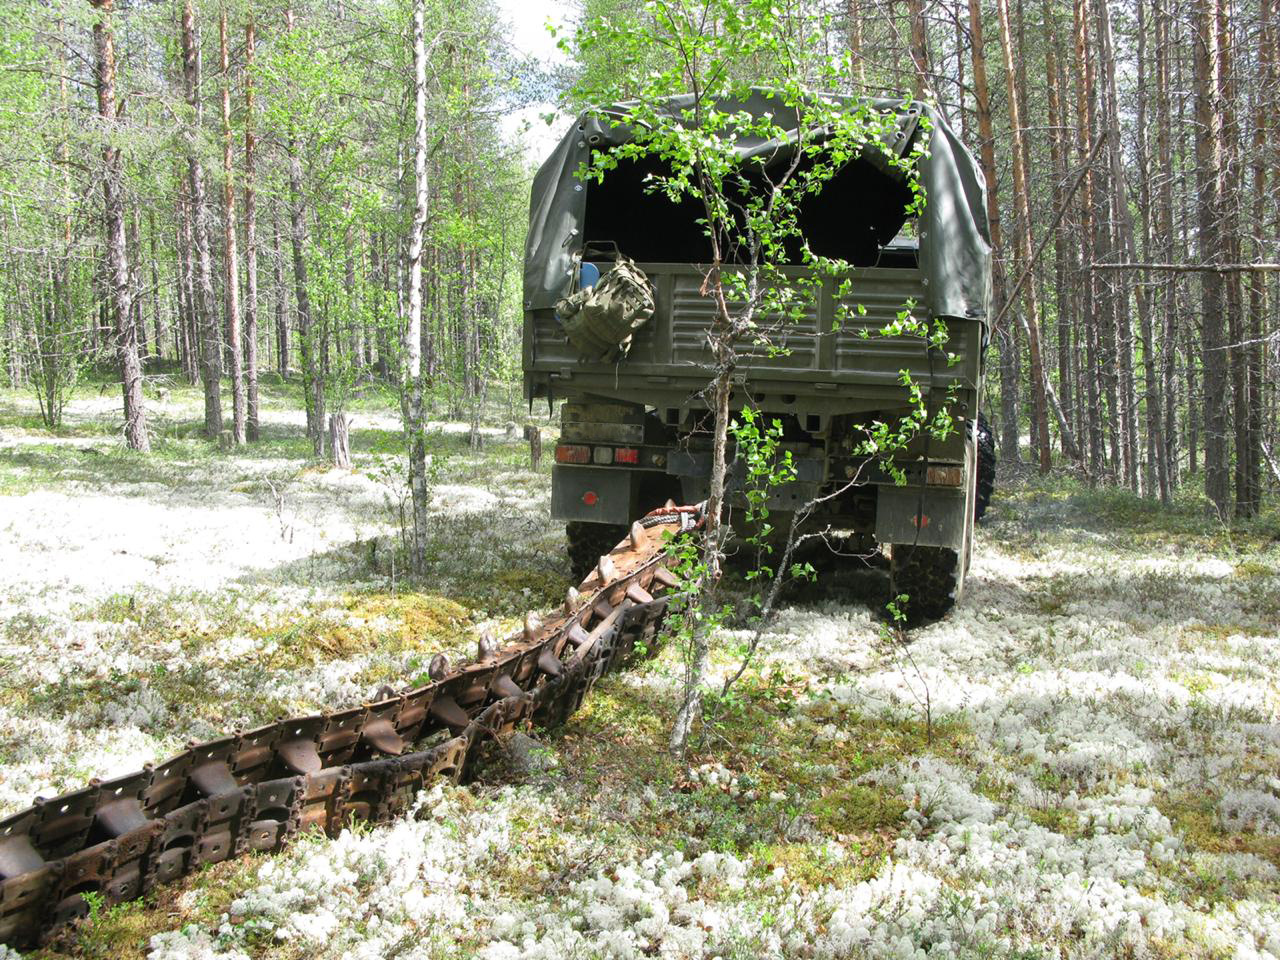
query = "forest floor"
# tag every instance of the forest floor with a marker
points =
(1082, 760)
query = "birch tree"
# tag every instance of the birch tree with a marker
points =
(415, 420)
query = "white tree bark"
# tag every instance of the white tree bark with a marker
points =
(415, 426)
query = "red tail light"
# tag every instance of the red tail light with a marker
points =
(626, 455)
(572, 453)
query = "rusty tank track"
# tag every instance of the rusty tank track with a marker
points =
(256, 789)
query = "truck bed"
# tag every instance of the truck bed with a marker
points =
(839, 370)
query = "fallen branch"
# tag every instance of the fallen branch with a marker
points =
(1191, 267)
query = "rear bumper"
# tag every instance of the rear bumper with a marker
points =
(932, 516)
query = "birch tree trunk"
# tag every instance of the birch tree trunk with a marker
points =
(413, 375)
(126, 332)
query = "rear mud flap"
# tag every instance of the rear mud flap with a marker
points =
(594, 494)
(929, 517)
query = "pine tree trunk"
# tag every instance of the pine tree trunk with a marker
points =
(1123, 229)
(282, 296)
(155, 285)
(1025, 243)
(1165, 229)
(987, 159)
(1088, 299)
(853, 11)
(211, 339)
(1209, 176)
(189, 324)
(919, 49)
(250, 243)
(1264, 114)
(135, 415)
(1156, 479)
(1063, 301)
(1229, 224)
(308, 341)
(231, 256)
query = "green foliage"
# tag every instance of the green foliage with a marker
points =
(685, 110)
(765, 466)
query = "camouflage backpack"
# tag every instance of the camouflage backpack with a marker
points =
(599, 320)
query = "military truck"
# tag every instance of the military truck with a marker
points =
(635, 426)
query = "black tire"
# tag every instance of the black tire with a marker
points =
(929, 576)
(588, 542)
(986, 479)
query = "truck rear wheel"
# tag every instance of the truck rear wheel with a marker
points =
(588, 542)
(986, 467)
(931, 578)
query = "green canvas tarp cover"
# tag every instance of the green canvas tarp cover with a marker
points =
(954, 237)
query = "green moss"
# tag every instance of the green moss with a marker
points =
(809, 866)
(393, 623)
(122, 932)
(420, 620)
(1057, 819)
(1195, 817)
(850, 808)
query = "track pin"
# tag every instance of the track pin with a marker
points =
(637, 535)
(571, 600)
(486, 647)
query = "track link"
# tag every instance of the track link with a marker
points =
(256, 789)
